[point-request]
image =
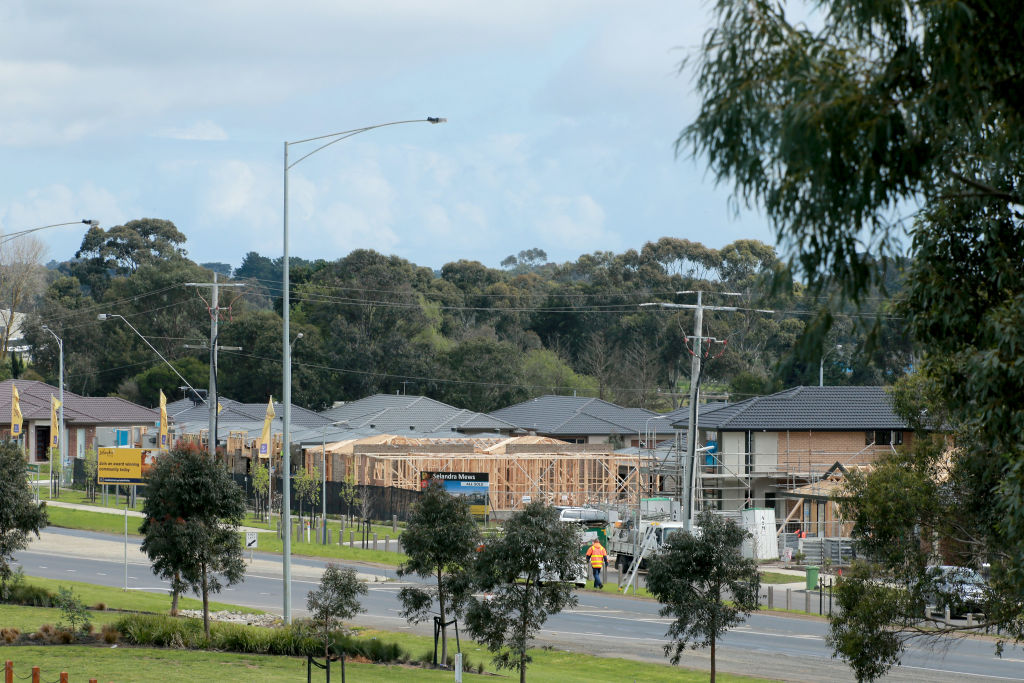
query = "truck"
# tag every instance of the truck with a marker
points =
(592, 523)
(626, 540)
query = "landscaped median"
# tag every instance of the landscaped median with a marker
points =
(155, 647)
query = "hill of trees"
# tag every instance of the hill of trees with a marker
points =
(470, 335)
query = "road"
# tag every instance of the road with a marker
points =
(773, 645)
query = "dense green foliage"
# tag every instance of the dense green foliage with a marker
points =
(514, 572)
(835, 129)
(473, 336)
(440, 541)
(193, 509)
(704, 584)
(20, 515)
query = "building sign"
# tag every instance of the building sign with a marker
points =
(124, 465)
(474, 486)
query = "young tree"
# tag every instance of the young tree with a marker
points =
(193, 510)
(440, 541)
(336, 599)
(509, 569)
(307, 488)
(261, 488)
(20, 515)
(693, 578)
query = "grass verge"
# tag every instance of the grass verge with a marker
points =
(146, 665)
(139, 601)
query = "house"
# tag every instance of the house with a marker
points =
(763, 446)
(578, 419)
(239, 426)
(89, 420)
(414, 416)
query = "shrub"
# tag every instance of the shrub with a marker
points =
(64, 636)
(9, 635)
(100, 607)
(73, 610)
(110, 634)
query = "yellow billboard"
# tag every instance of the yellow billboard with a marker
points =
(124, 465)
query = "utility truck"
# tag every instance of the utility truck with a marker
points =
(630, 540)
(591, 523)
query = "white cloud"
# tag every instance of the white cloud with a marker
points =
(575, 222)
(200, 130)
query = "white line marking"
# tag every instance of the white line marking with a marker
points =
(959, 673)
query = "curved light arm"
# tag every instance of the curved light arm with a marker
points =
(60, 342)
(14, 235)
(105, 316)
(345, 134)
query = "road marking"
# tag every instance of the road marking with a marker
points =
(70, 570)
(101, 573)
(604, 635)
(959, 673)
(42, 566)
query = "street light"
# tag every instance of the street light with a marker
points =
(107, 316)
(61, 444)
(286, 350)
(323, 474)
(821, 365)
(14, 235)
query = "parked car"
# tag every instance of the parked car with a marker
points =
(961, 589)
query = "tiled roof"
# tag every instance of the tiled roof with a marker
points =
(577, 415)
(34, 398)
(393, 414)
(239, 416)
(812, 408)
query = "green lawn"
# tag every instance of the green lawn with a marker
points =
(146, 665)
(113, 523)
(139, 601)
(775, 577)
(160, 665)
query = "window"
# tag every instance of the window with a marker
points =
(883, 437)
(712, 499)
(748, 456)
(769, 500)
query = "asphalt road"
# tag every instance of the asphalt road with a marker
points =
(772, 645)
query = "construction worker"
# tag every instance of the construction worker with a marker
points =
(598, 559)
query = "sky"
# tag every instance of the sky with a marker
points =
(562, 118)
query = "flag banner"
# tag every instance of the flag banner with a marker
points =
(264, 451)
(163, 421)
(54, 425)
(15, 412)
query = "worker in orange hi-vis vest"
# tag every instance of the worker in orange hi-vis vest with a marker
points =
(598, 559)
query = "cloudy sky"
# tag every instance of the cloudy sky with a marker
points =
(561, 122)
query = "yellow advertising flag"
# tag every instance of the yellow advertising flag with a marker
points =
(15, 412)
(54, 425)
(220, 407)
(163, 421)
(265, 436)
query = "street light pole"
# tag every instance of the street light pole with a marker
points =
(107, 316)
(286, 355)
(20, 233)
(61, 443)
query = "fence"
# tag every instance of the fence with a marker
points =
(381, 502)
(35, 675)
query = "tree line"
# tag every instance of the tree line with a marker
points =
(467, 334)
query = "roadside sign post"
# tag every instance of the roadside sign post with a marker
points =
(124, 466)
(251, 537)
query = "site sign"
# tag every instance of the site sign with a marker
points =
(124, 465)
(474, 486)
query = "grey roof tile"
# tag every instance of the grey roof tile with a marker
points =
(34, 399)
(811, 408)
(575, 415)
(394, 414)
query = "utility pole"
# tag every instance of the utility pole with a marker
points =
(687, 485)
(214, 319)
